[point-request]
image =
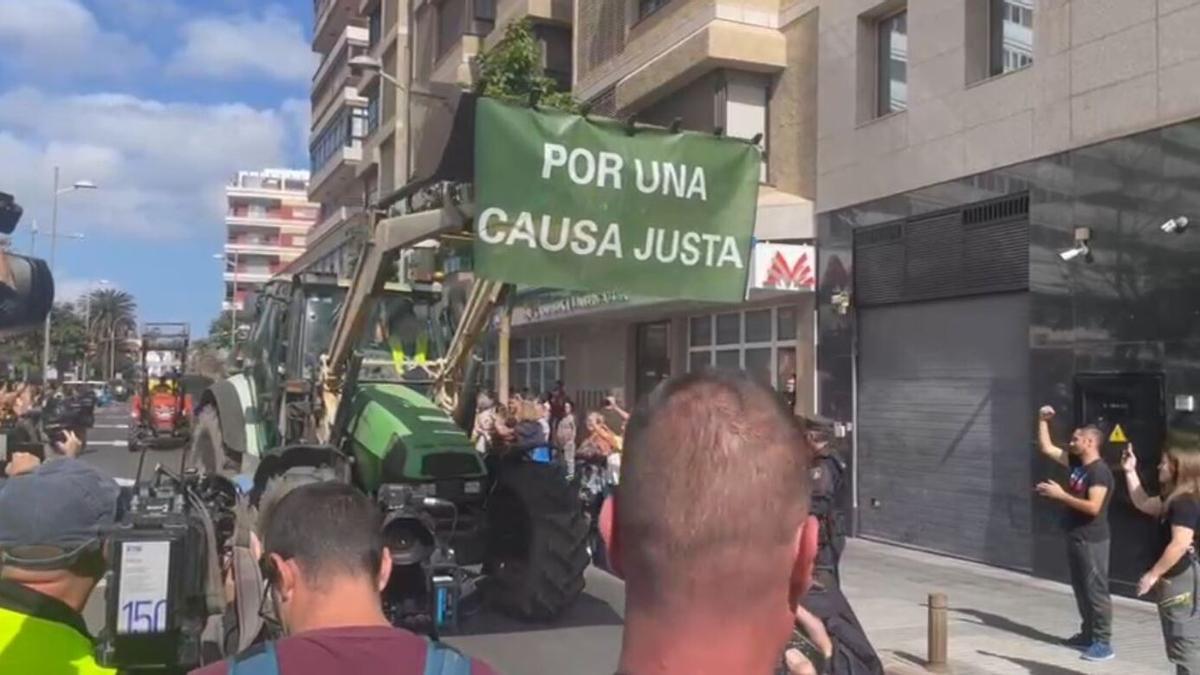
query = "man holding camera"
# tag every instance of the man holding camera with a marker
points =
(1086, 497)
(325, 564)
(52, 523)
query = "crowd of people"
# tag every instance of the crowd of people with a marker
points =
(712, 585)
(547, 428)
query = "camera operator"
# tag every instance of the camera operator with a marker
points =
(711, 532)
(325, 564)
(30, 443)
(52, 521)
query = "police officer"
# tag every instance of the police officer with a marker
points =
(828, 480)
(853, 653)
(52, 522)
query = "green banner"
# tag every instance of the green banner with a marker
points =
(583, 204)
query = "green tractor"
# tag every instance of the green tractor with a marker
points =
(372, 380)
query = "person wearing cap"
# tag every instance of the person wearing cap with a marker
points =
(828, 475)
(53, 521)
(1175, 576)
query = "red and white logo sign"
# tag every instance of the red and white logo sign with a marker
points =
(784, 267)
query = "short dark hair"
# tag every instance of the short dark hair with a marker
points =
(328, 528)
(714, 467)
(1093, 431)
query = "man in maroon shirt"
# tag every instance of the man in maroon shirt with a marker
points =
(325, 561)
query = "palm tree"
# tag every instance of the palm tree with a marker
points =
(113, 320)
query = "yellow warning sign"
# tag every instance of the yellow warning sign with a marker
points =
(1117, 435)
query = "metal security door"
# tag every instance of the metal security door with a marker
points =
(1128, 408)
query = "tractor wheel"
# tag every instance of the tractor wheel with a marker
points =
(208, 445)
(537, 542)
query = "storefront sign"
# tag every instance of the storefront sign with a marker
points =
(583, 204)
(784, 267)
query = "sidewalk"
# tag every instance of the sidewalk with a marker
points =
(1000, 622)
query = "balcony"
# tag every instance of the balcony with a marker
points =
(660, 56)
(253, 275)
(276, 248)
(334, 75)
(332, 17)
(336, 152)
(555, 12)
(335, 218)
(291, 218)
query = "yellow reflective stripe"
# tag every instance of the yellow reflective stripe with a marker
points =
(422, 348)
(399, 357)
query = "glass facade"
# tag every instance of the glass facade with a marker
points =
(1133, 309)
(348, 127)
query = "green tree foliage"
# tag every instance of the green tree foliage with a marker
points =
(68, 344)
(220, 333)
(512, 71)
(113, 321)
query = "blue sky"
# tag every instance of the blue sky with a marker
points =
(158, 102)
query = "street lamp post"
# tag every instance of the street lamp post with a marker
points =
(78, 185)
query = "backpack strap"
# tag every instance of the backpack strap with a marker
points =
(442, 659)
(261, 659)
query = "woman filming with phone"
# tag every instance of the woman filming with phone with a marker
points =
(1176, 575)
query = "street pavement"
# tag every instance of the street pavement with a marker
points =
(1000, 622)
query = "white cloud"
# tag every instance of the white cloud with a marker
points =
(143, 13)
(244, 46)
(161, 167)
(69, 289)
(62, 39)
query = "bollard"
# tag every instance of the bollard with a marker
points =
(937, 631)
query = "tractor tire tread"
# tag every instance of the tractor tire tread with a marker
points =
(557, 558)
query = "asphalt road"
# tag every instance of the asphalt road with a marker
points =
(585, 641)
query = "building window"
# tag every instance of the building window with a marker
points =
(346, 129)
(759, 341)
(450, 25)
(892, 63)
(373, 111)
(648, 7)
(1010, 35)
(375, 25)
(535, 363)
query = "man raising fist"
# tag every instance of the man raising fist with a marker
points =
(1086, 497)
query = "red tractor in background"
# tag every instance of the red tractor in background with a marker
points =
(162, 410)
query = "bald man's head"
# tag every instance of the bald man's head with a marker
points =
(714, 483)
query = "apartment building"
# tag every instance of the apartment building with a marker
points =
(997, 181)
(337, 141)
(745, 69)
(267, 225)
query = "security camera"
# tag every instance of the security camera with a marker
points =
(1080, 249)
(1176, 225)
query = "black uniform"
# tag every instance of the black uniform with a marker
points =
(828, 479)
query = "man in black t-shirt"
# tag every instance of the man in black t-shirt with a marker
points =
(1086, 496)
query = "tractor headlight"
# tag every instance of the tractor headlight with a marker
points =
(425, 489)
(472, 487)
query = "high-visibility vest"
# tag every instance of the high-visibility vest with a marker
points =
(399, 357)
(32, 644)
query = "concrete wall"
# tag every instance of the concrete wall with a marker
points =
(792, 118)
(1102, 69)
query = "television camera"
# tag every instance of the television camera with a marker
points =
(164, 580)
(26, 285)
